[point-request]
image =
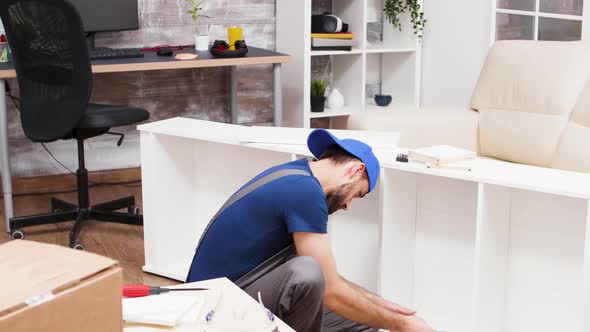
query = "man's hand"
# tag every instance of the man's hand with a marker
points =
(350, 300)
(411, 324)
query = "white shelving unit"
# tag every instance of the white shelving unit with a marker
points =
(395, 62)
(487, 250)
(323, 53)
(502, 248)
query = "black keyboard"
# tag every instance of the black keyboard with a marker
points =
(115, 53)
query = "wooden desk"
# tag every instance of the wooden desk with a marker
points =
(151, 61)
(232, 298)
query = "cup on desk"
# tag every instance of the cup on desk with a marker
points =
(4, 52)
(234, 34)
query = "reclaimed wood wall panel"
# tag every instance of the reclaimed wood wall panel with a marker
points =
(196, 93)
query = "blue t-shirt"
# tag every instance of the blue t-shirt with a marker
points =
(260, 224)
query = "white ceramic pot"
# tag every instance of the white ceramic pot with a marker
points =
(201, 42)
(335, 99)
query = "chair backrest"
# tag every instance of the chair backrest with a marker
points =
(526, 95)
(52, 64)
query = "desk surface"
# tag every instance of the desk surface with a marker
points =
(151, 61)
(233, 298)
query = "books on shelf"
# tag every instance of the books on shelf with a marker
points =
(340, 41)
(331, 48)
(335, 35)
(321, 42)
(440, 155)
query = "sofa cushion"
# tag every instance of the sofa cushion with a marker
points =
(535, 77)
(525, 94)
(520, 137)
(572, 152)
(424, 127)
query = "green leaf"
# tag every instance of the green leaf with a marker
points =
(392, 9)
(318, 88)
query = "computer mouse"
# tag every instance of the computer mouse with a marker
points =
(165, 52)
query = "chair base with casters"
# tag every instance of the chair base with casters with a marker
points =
(62, 211)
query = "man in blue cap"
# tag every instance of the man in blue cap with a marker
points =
(271, 237)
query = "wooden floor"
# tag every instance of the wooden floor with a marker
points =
(121, 242)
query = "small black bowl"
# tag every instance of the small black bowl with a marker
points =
(383, 100)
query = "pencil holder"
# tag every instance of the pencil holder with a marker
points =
(234, 34)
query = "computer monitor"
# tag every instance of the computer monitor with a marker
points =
(108, 15)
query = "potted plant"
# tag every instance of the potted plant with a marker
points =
(201, 39)
(318, 100)
(393, 8)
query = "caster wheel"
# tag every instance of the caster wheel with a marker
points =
(133, 210)
(17, 234)
(79, 246)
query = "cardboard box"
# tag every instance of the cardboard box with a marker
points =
(52, 288)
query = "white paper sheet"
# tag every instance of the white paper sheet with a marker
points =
(167, 309)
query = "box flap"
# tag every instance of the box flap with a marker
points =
(29, 269)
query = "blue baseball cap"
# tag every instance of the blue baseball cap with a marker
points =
(320, 139)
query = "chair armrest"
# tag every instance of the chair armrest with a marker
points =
(422, 127)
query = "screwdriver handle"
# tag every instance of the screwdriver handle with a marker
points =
(139, 290)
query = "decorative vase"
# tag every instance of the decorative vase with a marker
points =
(383, 100)
(335, 99)
(317, 104)
(201, 42)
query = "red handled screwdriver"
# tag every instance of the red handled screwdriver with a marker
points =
(145, 290)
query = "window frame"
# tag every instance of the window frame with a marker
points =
(537, 15)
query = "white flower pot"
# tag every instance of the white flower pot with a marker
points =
(201, 42)
(335, 99)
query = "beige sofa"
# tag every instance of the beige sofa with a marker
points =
(531, 105)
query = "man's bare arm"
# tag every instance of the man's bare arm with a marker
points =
(340, 296)
(381, 301)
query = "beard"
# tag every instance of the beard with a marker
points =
(337, 198)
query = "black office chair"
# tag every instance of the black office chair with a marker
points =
(55, 82)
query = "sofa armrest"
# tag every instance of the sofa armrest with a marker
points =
(422, 127)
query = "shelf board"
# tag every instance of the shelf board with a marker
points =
(329, 113)
(371, 106)
(381, 49)
(353, 51)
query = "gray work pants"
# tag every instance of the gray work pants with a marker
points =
(294, 292)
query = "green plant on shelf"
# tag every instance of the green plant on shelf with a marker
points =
(195, 11)
(318, 88)
(394, 8)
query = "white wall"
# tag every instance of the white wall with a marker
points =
(455, 43)
(586, 25)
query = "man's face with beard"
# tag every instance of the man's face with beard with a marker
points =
(341, 197)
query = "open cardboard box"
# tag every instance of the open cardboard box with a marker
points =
(52, 288)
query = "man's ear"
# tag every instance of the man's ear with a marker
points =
(362, 169)
(357, 169)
